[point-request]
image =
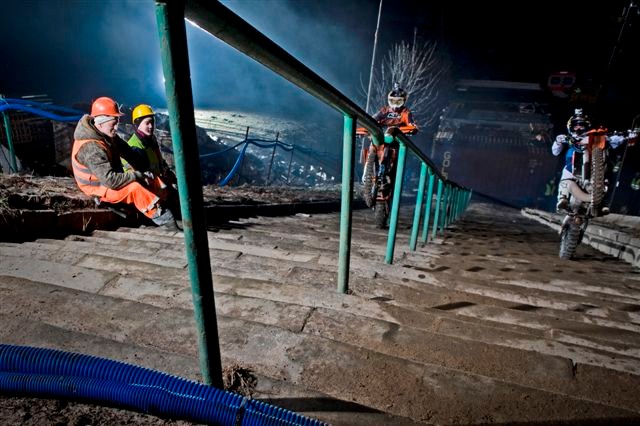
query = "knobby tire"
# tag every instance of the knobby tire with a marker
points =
(369, 191)
(569, 239)
(382, 214)
(597, 177)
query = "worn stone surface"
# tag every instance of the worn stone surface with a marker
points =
(483, 325)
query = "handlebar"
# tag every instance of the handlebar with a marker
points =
(407, 130)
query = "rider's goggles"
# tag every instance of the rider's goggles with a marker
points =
(396, 102)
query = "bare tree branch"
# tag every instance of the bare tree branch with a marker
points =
(421, 68)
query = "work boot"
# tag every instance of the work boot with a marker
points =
(165, 217)
(171, 227)
(563, 205)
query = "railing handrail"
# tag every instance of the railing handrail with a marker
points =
(221, 22)
(418, 152)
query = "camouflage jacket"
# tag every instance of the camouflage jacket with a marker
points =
(105, 165)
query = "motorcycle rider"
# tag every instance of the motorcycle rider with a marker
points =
(578, 127)
(395, 114)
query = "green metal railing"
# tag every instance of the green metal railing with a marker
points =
(216, 19)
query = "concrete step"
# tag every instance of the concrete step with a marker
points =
(473, 323)
(284, 355)
(509, 335)
(578, 333)
(26, 332)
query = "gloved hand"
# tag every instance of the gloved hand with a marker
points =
(143, 178)
(561, 139)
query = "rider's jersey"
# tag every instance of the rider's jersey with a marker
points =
(402, 118)
(572, 158)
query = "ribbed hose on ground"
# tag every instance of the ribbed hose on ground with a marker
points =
(38, 372)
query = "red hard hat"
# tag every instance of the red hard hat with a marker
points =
(105, 106)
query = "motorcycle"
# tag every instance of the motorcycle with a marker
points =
(586, 197)
(379, 175)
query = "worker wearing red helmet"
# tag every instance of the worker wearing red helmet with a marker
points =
(96, 159)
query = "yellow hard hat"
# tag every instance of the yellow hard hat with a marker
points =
(140, 112)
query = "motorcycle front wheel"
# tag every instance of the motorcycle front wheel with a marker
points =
(369, 189)
(597, 177)
(381, 211)
(570, 237)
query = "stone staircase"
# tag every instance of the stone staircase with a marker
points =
(485, 324)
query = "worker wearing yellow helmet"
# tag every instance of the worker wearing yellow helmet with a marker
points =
(144, 143)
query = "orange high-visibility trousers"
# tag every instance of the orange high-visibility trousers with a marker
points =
(145, 199)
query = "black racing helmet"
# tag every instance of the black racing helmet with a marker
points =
(578, 124)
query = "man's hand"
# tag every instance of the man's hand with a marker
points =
(144, 178)
(561, 139)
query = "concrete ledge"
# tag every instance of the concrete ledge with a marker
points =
(31, 224)
(607, 236)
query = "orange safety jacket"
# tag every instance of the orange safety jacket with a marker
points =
(87, 181)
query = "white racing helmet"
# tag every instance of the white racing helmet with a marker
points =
(397, 97)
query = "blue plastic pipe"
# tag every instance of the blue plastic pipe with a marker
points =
(50, 373)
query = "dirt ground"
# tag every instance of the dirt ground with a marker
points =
(61, 194)
(48, 412)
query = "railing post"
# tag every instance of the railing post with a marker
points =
(348, 158)
(175, 65)
(427, 210)
(418, 210)
(290, 160)
(12, 152)
(244, 149)
(445, 197)
(446, 207)
(273, 154)
(436, 216)
(395, 205)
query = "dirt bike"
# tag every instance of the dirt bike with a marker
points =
(379, 174)
(585, 201)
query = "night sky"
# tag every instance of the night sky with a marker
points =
(75, 51)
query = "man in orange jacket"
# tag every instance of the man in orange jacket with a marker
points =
(96, 158)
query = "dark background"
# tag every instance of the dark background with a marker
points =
(76, 51)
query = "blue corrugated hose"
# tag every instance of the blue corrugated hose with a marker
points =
(48, 373)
